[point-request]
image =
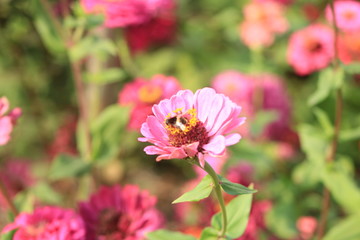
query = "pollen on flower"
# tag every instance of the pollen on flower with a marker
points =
(185, 128)
(149, 93)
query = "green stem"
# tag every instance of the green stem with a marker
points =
(219, 196)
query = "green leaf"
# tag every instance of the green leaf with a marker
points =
(313, 143)
(209, 233)
(306, 175)
(324, 121)
(92, 45)
(234, 188)
(262, 119)
(156, 62)
(281, 220)
(8, 235)
(46, 29)
(108, 75)
(347, 229)
(324, 87)
(350, 135)
(201, 191)
(353, 68)
(107, 131)
(238, 211)
(166, 235)
(45, 193)
(25, 201)
(343, 189)
(65, 166)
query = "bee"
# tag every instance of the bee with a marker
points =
(178, 122)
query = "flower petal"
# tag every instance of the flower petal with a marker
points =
(216, 146)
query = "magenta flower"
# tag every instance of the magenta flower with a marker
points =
(48, 223)
(311, 49)
(125, 213)
(158, 31)
(245, 90)
(347, 15)
(124, 13)
(192, 125)
(143, 94)
(7, 121)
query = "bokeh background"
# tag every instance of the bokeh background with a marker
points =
(85, 84)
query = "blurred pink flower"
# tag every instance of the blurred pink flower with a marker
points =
(310, 49)
(244, 89)
(262, 21)
(116, 212)
(159, 30)
(143, 94)
(241, 173)
(306, 226)
(347, 14)
(349, 47)
(124, 13)
(48, 223)
(284, 2)
(255, 34)
(189, 125)
(9, 175)
(275, 98)
(8, 121)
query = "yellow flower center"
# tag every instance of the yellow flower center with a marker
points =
(149, 93)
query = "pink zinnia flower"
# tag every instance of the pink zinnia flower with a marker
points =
(311, 49)
(244, 89)
(125, 213)
(349, 47)
(143, 94)
(192, 125)
(347, 15)
(48, 223)
(306, 226)
(157, 31)
(7, 121)
(124, 13)
(262, 21)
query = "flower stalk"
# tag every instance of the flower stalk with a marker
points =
(207, 168)
(334, 144)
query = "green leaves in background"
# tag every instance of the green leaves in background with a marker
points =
(44, 192)
(262, 119)
(48, 31)
(347, 229)
(281, 220)
(343, 189)
(105, 76)
(67, 166)
(234, 188)
(107, 131)
(201, 191)
(166, 235)
(328, 80)
(101, 48)
(238, 211)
